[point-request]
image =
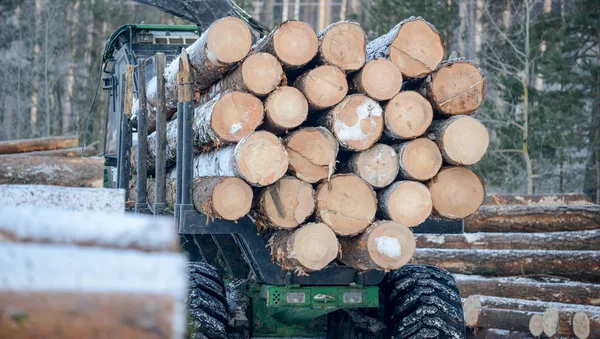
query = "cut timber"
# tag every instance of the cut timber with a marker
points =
(523, 305)
(456, 192)
(407, 202)
(571, 323)
(71, 172)
(41, 144)
(577, 265)
(312, 152)
(67, 152)
(260, 159)
(387, 245)
(287, 203)
(456, 87)
(407, 115)
(308, 248)
(511, 320)
(68, 198)
(414, 46)
(343, 44)
(540, 218)
(419, 159)
(462, 139)
(323, 87)
(521, 288)
(537, 199)
(496, 333)
(357, 122)
(536, 325)
(346, 203)
(285, 109)
(378, 165)
(293, 42)
(379, 79)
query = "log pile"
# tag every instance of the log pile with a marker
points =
(365, 160)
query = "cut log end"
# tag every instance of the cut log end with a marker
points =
(228, 41)
(391, 245)
(456, 192)
(236, 115)
(550, 320)
(420, 159)
(457, 88)
(286, 108)
(261, 158)
(472, 316)
(232, 198)
(536, 326)
(346, 203)
(312, 152)
(464, 141)
(315, 246)
(417, 49)
(295, 43)
(378, 165)
(261, 73)
(407, 115)
(581, 325)
(343, 44)
(324, 86)
(287, 203)
(380, 79)
(357, 122)
(408, 202)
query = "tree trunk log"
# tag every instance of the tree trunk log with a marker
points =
(343, 44)
(67, 152)
(323, 87)
(41, 144)
(577, 265)
(496, 333)
(511, 320)
(312, 152)
(520, 288)
(456, 192)
(419, 159)
(414, 46)
(285, 109)
(378, 165)
(356, 122)
(286, 204)
(71, 172)
(407, 115)
(541, 218)
(462, 140)
(387, 245)
(571, 323)
(308, 248)
(346, 203)
(456, 87)
(379, 78)
(565, 241)
(475, 301)
(537, 199)
(407, 202)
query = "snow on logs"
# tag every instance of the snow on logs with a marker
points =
(343, 44)
(40, 144)
(285, 109)
(312, 152)
(456, 192)
(378, 165)
(462, 140)
(323, 86)
(379, 79)
(286, 204)
(407, 202)
(407, 115)
(293, 42)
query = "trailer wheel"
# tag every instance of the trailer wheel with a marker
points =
(424, 303)
(207, 304)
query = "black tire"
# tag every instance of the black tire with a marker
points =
(207, 304)
(424, 303)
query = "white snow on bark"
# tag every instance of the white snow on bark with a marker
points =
(216, 163)
(472, 237)
(388, 246)
(435, 238)
(365, 111)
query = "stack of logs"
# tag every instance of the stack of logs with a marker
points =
(527, 265)
(373, 137)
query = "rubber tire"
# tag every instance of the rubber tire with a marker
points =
(424, 303)
(207, 304)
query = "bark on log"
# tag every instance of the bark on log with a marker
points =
(496, 333)
(70, 172)
(346, 203)
(356, 122)
(386, 245)
(379, 78)
(324, 86)
(67, 153)
(260, 159)
(577, 265)
(511, 320)
(286, 204)
(414, 46)
(407, 202)
(285, 109)
(456, 87)
(571, 323)
(456, 192)
(343, 44)
(462, 140)
(419, 159)
(475, 301)
(537, 199)
(312, 152)
(407, 115)
(293, 42)
(41, 144)
(308, 248)
(378, 165)
(541, 218)
(521, 288)
(564, 241)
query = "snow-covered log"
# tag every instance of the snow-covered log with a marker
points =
(474, 301)
(40, 144)
(343, 44)
(496, 333)
(379, 78)
(462, 140)
(419, 159)
(312, 152)
(285, 109)
(407, 202)
(323, 86)
(378, 165)
(285, 204)
(407, 115)
(511, 320)
(537, 199)
(456, 192)
(293, 42)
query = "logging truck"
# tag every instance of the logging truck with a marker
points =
(285, 299)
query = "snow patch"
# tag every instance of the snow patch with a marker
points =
(472, 237)
(235, 128)
(368, 109)
(435, 238)
(388, 246)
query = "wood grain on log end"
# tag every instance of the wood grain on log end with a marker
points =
(228, 41)
(379, 78)
(536, 326)
(287, 203)
(456, 88)
(550, 320)
(230, 197)
(419, 159)
(312, 152)
(295, 43)
(417, 49)
(261, 73)
(463, 140)
(378, 165)
(236, 115)
(408, 202)
(407, 115)
(261, 158)
(285, 108)
(343, 44)
(323, 86)
(456, 192)
(581, 325)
